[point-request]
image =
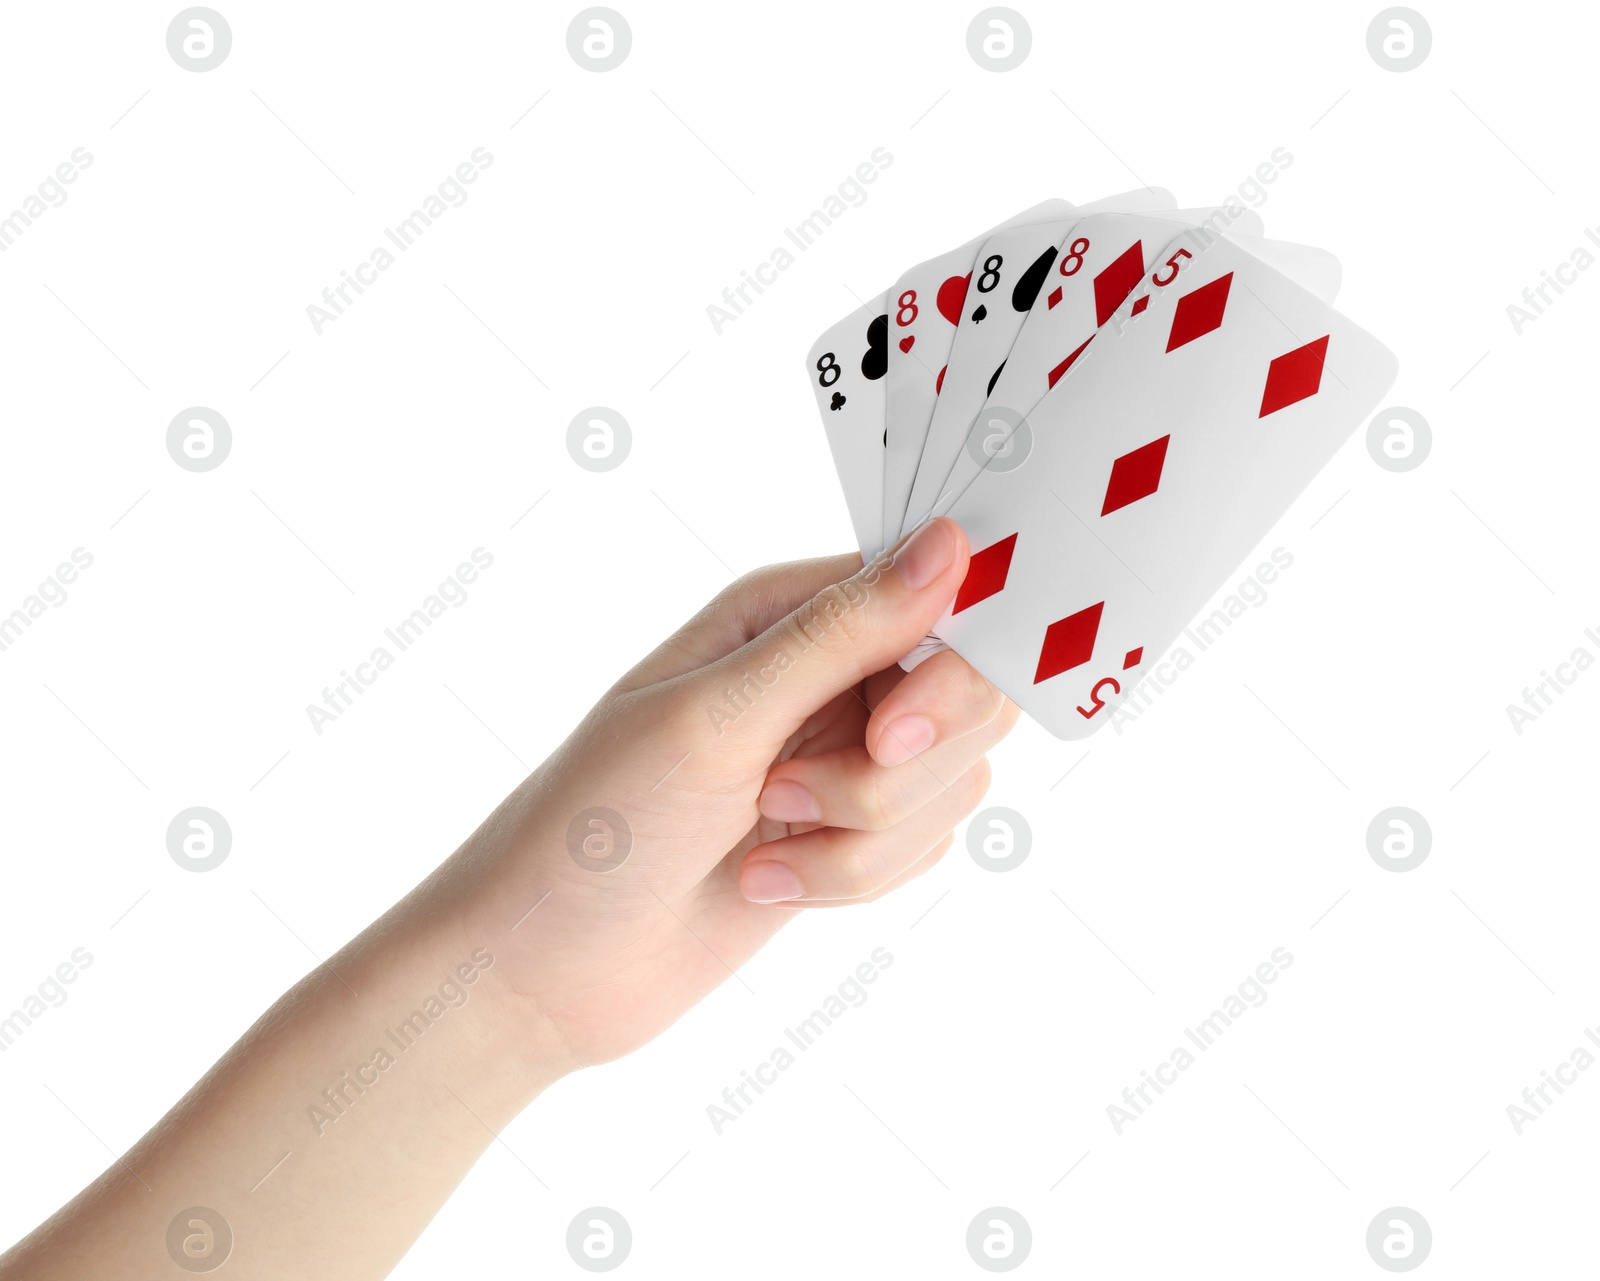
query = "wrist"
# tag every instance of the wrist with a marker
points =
(516, 1051)
(442, 975)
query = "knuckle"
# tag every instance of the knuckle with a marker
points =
(921, 867)
(674, 706)
(982, 697)
(859, 874)
(762, 583)
(746, 597)
(885, 800)
(974, 784)
(732, 597)
(1009, 715)
(756, 598)
(831, 619)
(932, 857)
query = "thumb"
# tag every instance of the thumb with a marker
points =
(766, 689)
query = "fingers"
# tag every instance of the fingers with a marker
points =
(847, 788)
(832, 864)
(941, 700)
(921, 867)
(928, 730)
(843, 633)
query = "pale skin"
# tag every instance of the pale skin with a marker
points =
(831, 778)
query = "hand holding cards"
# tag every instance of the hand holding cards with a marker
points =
(1116, 403)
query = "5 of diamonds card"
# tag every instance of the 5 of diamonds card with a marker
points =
(1206, 405)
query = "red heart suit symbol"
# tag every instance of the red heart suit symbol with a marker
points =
(905, 343)
(952, 294)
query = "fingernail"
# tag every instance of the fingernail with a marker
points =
(789, 802)
(770, 883)
(927, 554)
(904, 738)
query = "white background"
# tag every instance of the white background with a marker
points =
(368, 461)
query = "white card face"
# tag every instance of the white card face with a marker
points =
(1013, 270)
(845, 367)
(1005, 279)
(1205, 406)
(924, 308)
(1105, 257)
(851, 397)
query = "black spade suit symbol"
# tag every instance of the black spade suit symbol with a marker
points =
(1032, 280)
(875, 364)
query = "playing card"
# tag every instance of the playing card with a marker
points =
(925, 307)
(1207, 403)
(1063, 321)
(846, 368)
(1314, 270)
(1014, 268)
(914, 385)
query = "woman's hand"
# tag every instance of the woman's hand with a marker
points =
(768, 757)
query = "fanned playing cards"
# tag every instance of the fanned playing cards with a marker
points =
(1116, 402)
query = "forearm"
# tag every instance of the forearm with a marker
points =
(336, 1127)
(643, 863)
